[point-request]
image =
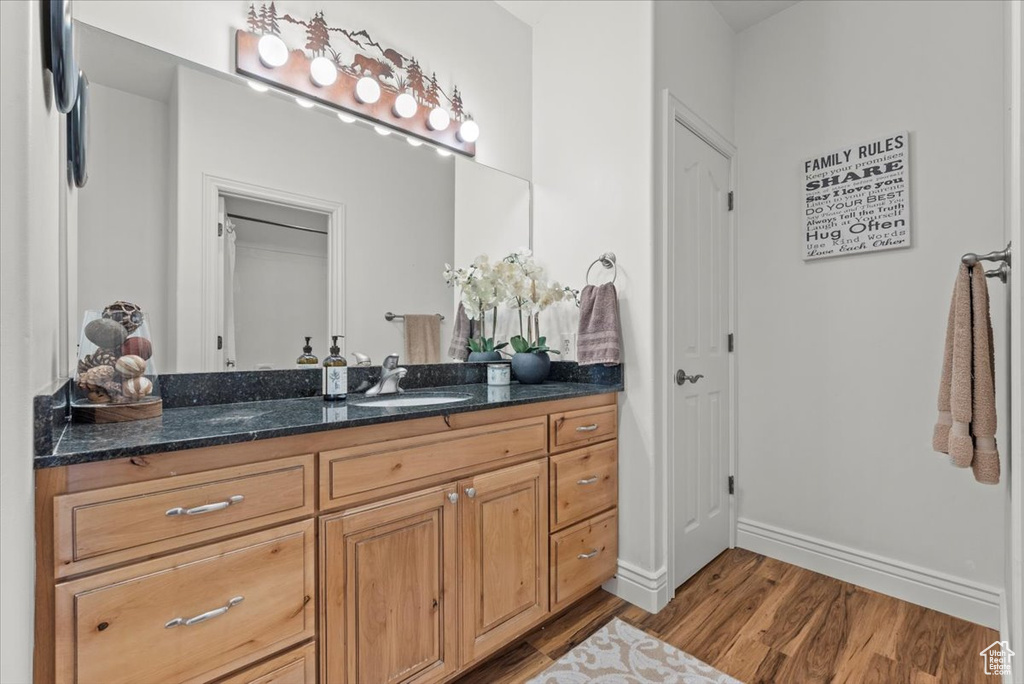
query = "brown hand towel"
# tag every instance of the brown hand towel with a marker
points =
(422, 338)
(600, 337)
(966, 425)
(983, 417)
(461, 331)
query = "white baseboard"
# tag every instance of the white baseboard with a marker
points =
(1004, 635)
(642, 588)
(955, 596)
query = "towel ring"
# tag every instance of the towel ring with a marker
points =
(608, 261)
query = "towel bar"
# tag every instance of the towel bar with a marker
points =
(399, 317)
(1002, 255)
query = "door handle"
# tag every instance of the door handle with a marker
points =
(682, 377)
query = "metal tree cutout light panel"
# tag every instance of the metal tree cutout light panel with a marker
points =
(362, 77)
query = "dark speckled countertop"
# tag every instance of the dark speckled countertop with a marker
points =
(213, 425)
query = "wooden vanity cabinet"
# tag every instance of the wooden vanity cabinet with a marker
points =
(405, 552)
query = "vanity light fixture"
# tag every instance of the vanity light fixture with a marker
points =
(257, 86)
(367, 90)
(469, 131)
(347, 118)
(405, 106)
(439, 119)
(382, 131)
(305, 104)
(323, 72)
(415, 142)
(273, 51)
(443, 152)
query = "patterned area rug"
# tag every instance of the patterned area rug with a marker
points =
(621, 654)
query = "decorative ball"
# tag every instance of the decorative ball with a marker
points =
(136, 388)
(106, 333)
(127, 314)
(138, 346)
(130, 366)
(100, 357)
(95, 378)
(98, 397)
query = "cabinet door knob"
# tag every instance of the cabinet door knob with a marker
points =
(453, 497)
(470, 492)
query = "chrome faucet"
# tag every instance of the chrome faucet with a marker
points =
(390, 377)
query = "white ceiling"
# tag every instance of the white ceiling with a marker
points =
(742, 14)
(739, 14)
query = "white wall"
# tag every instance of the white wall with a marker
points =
(399, 215)
(592, 193)
(29, 308)
(840, 358)
(122, 211)
(472, 43)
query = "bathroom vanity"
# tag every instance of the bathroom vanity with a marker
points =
(371, 545)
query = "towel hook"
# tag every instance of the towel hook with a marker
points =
(1001, 255)
(608, 261)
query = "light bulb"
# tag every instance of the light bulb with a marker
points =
(273, 51)
(415, 142)
(438, 119)
(443, 152)
(323, 72)
(367, 90)
(405, 106)
(382, 131)
(469, 131)
(304, 103)
(257, 86)
(347, 118)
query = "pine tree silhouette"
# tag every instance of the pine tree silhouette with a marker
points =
(318, 39)
(414, 76)
(252, 20)
(271, 22)
(264, 16)
(432, 91)
(457, 111)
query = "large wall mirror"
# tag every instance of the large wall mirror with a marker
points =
(242, 222)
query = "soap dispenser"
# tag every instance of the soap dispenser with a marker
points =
(308, 358)
(335, 373)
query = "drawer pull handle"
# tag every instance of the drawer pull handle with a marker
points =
(590, 480)
(209, 615)
(208, 508)
(585, 556)
(587, 428)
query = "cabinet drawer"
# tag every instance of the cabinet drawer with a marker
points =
(103, 527)
(582, 557)
(297, 666)
(574, 429)
(583, 483)
(191, 616)
(374, 471)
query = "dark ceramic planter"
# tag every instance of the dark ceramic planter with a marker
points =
(531, 368)
(484, 357)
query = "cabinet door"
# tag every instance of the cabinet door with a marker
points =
(504, 555)
(389, 571)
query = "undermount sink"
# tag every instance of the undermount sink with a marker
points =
(410, 401)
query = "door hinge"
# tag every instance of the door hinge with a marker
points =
(220, 342)
(732, 484)
(220, 228)
(731, 200)
(732, 342)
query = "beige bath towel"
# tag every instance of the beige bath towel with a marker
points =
(422, 338)
(600, 336)
(966, 425)
(461, 332)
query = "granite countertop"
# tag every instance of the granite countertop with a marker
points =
(213, 425)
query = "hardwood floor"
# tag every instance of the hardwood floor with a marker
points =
(765, 621)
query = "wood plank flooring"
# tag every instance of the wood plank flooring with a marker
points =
(765, 621)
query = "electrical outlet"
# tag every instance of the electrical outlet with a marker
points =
(568, 346)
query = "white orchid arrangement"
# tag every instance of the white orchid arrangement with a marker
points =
(482, 289)
(516, 281)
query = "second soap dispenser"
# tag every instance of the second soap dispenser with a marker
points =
(335, 373)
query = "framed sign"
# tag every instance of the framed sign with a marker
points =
(857, 199)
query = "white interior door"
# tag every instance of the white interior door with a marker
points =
(700, 322)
